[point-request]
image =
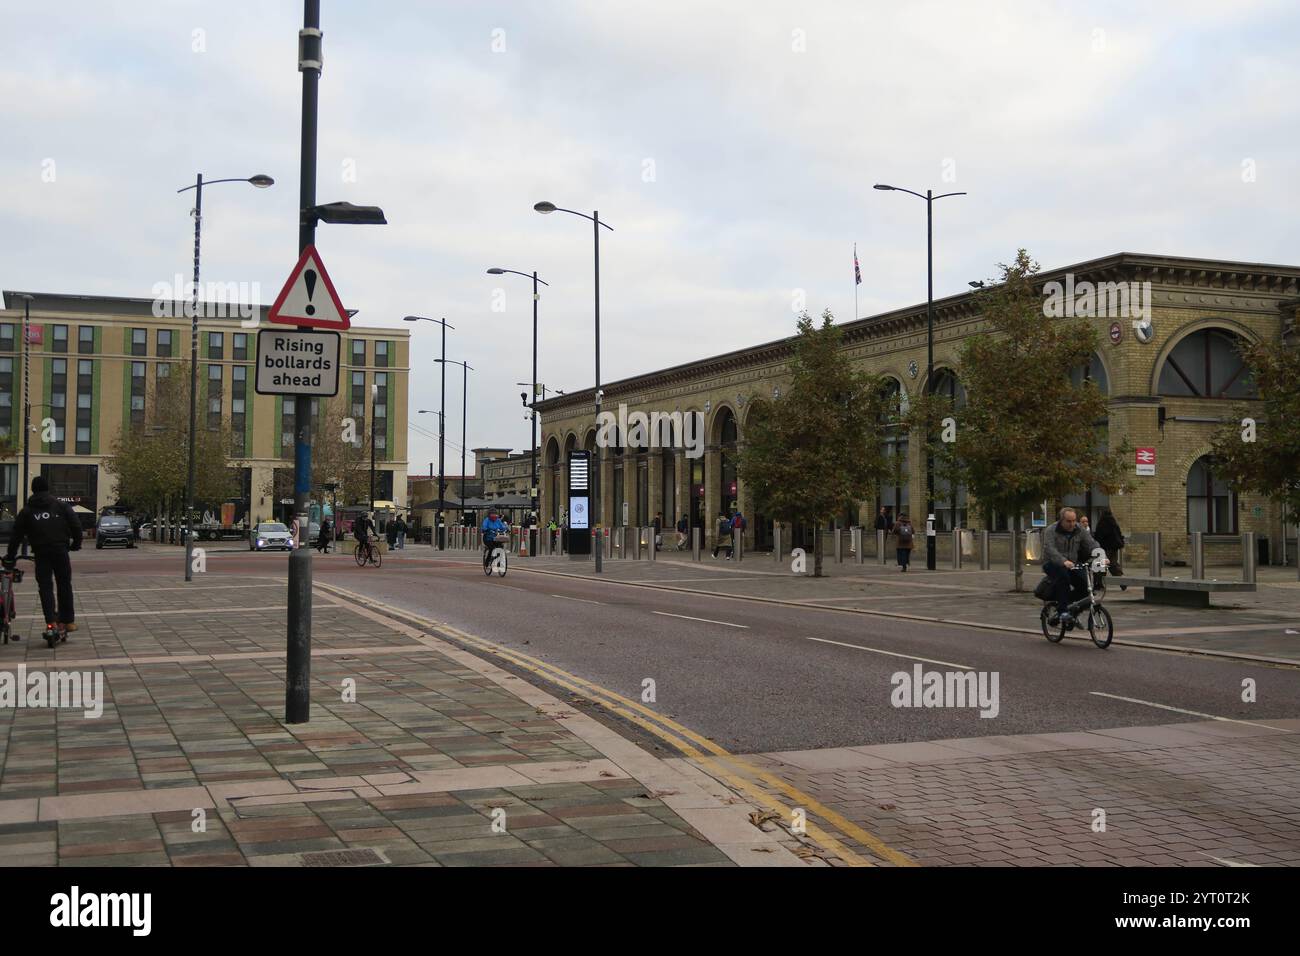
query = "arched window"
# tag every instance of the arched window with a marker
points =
(1094, 371)
(1211, 502)
(893, 490)
(727, 437)
(949, 498)
(1207, 364)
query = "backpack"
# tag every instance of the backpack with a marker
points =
(904, 533)
(738, 522)
(724, 526)
(1043, 589)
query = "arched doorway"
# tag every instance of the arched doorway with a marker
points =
(728, 435)
(551, 468)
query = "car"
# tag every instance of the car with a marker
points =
(114, 529)
(270, 534)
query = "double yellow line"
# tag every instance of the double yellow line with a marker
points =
(717, 760)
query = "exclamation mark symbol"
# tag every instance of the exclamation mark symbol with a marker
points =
(310, 278)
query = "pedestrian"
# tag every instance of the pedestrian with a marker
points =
(323, 536)
(53, 529)
(401, 533)
(659, 529)
(882, 520)
(683, 528)
(1111, 538)
(906, 535)
(724, 535)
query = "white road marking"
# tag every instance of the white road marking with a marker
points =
(565, 597)
(876, 650)
(1194, 713)
(1228, 862)
(704, 620)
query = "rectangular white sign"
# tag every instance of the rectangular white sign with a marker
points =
(291, 362)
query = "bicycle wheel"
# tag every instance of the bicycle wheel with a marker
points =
(360, 555)
(1053, 634)
(1100, 627)
(487, 562)
(376, 557)
(501, 564)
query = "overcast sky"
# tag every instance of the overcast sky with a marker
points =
(732, 146)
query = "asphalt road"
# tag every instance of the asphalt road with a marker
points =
(761, 677)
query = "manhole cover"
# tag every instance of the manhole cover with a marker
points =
(342, 858)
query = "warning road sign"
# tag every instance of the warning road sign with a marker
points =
(308, 297)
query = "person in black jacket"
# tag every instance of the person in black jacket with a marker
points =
(1110, 537)
(53, 529)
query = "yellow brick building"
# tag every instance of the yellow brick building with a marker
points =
(1169, 388)
(93, 359)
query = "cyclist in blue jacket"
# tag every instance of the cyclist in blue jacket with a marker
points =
(491, 527)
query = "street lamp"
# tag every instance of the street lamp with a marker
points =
(27, 407)
(464, 418)
(929, 197)
(532, 487)
(261, 181)
(442, 481)
(546, 208)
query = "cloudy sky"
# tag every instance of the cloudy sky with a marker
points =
(732, 146)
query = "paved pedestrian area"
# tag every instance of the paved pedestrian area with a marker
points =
(417, 752)
(1264, 624)
(1212, 793)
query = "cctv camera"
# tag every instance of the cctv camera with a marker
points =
(1145, 330)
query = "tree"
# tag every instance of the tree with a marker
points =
(340, 454)
(151, 458)
(1027, 432)
(818, 446)
(1260, 455)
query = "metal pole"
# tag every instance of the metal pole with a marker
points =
(464, 418)
(374, 398)
(442, 415)
(931, 556)
(532, 490)
(595, 483)
(1249, 557)
(194, 383)
(297, 689)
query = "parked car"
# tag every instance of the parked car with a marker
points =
(114, 529)
(270, 534)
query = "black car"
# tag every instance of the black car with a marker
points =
(114, 529)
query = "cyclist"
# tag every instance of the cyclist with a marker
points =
(1066, 544)
(363, 529)
(52, 528)
(491, 527)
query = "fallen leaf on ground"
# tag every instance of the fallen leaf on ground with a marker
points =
(759, 817)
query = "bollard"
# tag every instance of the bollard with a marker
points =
(653, 548)
(1157, 556)
(857, 546)
(1249, 557)
(695, 544)
(737, 544)
(1015, 551)
(881, 536)
(1198, 554)
(637, 536)
(839, 556)
(956, 549)
(985, 554)
(609, 541)
(776, 542)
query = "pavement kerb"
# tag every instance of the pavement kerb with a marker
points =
(726, 826)
(1140, 645)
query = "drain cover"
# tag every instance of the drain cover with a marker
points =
(342, 858)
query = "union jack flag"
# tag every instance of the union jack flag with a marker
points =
(857, 270)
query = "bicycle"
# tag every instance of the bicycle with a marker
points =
(1101, 627)
(366, 552)
(9, 576)
(494, 558)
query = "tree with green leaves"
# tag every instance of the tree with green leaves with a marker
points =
(818, 447)
(1028, 430)
(1261, 455)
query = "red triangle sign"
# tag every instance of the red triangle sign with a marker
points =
(308, 297)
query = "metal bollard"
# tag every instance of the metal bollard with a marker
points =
(984, 551)
(956, 549)
(737, 544)
(1249, 557)
(776, 542)
(653, 547)
(1198, 554)
(695, 544)
(637, 534)
(881, 535)
(857, 545)
(839, 538)
(609, 541)
(1015, 551)
(1157, 556)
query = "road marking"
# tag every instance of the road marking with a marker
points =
(1228, 862)
(565, 597)
(218, 587)
(703, 620)
(679, 737)
(876, 650)
(1194, 713)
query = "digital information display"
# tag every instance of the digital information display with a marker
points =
(578, 513)
(579, 536)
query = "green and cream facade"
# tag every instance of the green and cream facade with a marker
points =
(1168, 392)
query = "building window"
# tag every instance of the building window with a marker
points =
(381, 354)
(381, 411)
(215, 345)
(240, 346)
(86, 339)
(1207, 364)
(60, 342)
(359, 403)
(7, 337)
(139, 341)
(214, 397)
(1211, 502)
(358, 351)
(238, 405)
(137, 393)
(85, 386)
(287, 428)
(164, 343)
(58, 402)
(163, 370)
(6, 395)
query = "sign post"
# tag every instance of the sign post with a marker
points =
(579, 504)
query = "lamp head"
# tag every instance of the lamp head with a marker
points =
(881, 186)
(261, 180)
(545, 208)
(496, 272)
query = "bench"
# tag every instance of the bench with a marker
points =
(1185, 592)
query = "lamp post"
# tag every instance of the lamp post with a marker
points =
(546, 208)
(929, 197)
(532, 484)
(27, 408)
(442, 481)
(261, 181)
(464, 418)
(374, 400)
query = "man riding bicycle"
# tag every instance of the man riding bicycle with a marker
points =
(492, 527)
(1066, 545)
(363, 529)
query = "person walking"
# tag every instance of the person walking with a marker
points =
(53, 529)
(724, 535)
(683, 528)
(323, 536)
(659, 529)
(882, 520)
(401, 533)
(1111, 538)
(906, 535)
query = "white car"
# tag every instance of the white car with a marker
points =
(270, 534)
